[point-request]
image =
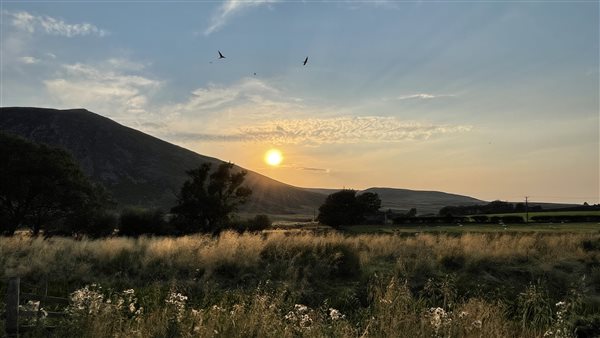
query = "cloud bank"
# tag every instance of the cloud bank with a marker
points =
(340, 130)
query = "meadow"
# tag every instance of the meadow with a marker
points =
(302, 284)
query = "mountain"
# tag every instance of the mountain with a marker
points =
(139, 169)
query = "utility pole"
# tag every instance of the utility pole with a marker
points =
(526, 210)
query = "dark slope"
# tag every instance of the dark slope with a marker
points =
(425, 201)
(137, 168)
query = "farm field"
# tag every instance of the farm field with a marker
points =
(587, 227)
(547, 213)
(508, 284)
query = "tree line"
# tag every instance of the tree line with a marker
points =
(42, 188)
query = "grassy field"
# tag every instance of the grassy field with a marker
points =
(548, 213)
(301, 284)
(588, 227)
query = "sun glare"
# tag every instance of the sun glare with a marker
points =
(273, 157)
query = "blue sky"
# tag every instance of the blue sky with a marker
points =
(497, 100)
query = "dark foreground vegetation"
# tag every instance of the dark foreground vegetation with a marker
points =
(333, 285)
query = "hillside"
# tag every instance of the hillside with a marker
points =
(137, 168)
(425, 201)
(141, 170)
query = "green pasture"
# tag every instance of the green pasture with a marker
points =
(547, 213)
(589, 227)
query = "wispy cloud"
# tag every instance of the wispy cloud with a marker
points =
(246, 101)
(422, 96)
(30, 23)
(29, 60)
(314, 169)
(341, 130)
(228, 9)
(103, 88)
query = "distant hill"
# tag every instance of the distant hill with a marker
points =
(137, 168)
(425, 201)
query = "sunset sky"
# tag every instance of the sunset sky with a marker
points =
(496, 100)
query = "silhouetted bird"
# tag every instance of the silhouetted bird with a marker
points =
(305, 61)
(220, 55)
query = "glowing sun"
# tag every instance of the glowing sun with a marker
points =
(273, 157)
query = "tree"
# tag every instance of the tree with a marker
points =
(369, 203)
(207, 199)
(41, 185)
(344, 207)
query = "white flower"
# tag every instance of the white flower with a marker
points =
(300, 308)
(335, 314)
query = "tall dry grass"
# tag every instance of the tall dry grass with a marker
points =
(498, 285)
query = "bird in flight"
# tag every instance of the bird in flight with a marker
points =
(220, 55)
(305, 61)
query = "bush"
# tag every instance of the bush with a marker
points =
(480, 219)
(137, 222)
(258, 223)
(92, 223)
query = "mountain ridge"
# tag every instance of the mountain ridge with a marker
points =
(139, 169)
(143, 170)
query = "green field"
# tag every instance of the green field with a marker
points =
(589, 227)
(547, 213)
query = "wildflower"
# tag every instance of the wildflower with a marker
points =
(335, 314)
(177, 302)
(88, 299)
(300, 308)
(438, 318)
(218, 308)
(305, 321)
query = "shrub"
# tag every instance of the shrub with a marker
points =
(136, 222)
(480, 219)
(258, 223)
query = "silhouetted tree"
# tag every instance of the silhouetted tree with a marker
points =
(368, 202)
(207, 199)
(344, 207)
(40, 185)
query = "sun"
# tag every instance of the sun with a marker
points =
(273, 157)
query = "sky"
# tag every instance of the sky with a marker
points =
(491, 99)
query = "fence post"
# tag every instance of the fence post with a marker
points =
(12, 307)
